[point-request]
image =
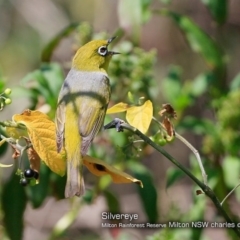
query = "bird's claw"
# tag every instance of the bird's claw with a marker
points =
(116, 123)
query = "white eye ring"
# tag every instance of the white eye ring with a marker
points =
(103, 50)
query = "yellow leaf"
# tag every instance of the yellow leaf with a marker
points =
(140, 117)
(41, 131)
(100, 168)
(5, 165)
(120, 107)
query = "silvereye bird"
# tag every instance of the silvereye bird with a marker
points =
(82, 105)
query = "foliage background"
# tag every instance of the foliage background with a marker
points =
(203, 87)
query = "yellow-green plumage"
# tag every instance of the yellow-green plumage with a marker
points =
(95, 61)
(82, 105)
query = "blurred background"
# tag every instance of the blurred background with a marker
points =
(185, 53)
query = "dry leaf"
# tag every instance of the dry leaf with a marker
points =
(100, 168)
(169, 127)
(140, 117)
(41, 132)
(34, 159)
(168, 111)
(120, 107)
(198, 192)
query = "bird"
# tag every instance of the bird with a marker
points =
(81, 108)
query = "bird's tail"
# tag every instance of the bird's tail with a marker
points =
(75, 181)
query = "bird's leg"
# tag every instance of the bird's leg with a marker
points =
(116, 123)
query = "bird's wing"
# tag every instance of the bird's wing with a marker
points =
(59, 122)
(90, 122)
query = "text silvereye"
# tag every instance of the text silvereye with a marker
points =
(82, 105)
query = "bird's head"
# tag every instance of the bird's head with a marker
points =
(93, 56)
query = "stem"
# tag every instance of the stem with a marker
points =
(195, 151)
(207, 190)
(5, 139)
(230, 193)
(66, 220)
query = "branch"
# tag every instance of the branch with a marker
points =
(120, 124)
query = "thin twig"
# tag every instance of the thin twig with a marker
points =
(230, 193)
(190, 146)
(196, 153)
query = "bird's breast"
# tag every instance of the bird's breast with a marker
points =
(93, 86)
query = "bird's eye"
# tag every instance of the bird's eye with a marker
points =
(103, 51)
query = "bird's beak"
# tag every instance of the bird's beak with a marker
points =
(109, 41)
(113, 53)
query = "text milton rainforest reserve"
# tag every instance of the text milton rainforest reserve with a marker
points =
(172, 225)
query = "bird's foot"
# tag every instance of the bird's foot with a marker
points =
(116, 123)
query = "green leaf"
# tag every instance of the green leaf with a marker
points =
(146, 13)
(173, 174)
(48, 50)
(148, 193)
(172, 84)
(41, 84)
(174, 90)
(32, 76)
(13, 205)
(20, 91)
(89, 196)
(235, 84)
(45, 82)
(231, 169)
(200, 84)
(54, 77)
(218, 9)
(112, 202)
(199, 41)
